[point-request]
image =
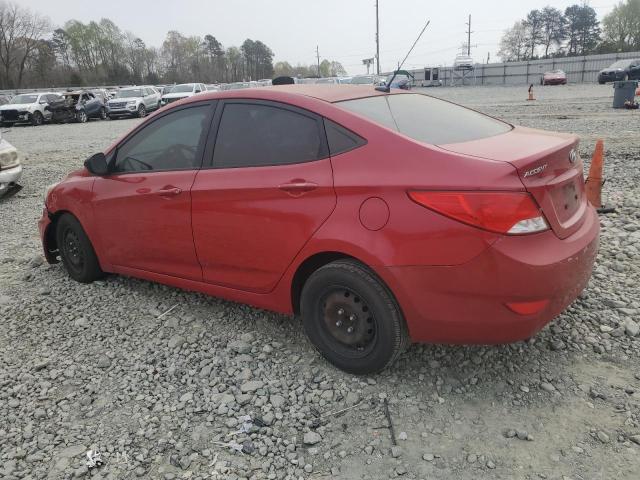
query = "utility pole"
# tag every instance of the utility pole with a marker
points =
(469, 32)
(377, 40)
(318, 57)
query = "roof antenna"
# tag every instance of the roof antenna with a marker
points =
(387, 88)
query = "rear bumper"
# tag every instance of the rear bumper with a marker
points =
(555, 81)
(9, 176)
(466, 304)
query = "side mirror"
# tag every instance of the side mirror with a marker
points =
(97, 164)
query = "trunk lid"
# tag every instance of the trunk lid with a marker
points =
(549, 167)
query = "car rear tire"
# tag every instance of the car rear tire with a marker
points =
(352, 318)
(81, 116)
(142, 111)
(37, 119)
(77, 254)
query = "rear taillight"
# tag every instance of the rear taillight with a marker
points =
(510, 213)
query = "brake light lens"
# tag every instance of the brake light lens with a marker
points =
(509, 213)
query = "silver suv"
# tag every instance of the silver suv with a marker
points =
(134, 101)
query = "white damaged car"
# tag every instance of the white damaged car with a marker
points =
(10, 168)
(184, 90)
(28, 108)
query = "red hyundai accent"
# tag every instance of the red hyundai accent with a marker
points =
(380, 218)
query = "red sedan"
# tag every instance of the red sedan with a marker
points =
(380, 218)
(555, 77)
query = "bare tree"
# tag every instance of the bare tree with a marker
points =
(514, 44)
(553, 28)
(20, 34)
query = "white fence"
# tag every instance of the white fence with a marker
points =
(582, 69)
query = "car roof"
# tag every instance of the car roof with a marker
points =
(327, 93)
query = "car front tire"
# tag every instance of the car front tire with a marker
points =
(142, 111)
(81, 116)
(352, 318)
(37, 119)
(77, 254)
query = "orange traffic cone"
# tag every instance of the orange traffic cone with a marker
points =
(593, 184)
(530, 93)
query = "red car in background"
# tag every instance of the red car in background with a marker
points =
(380, 218)
(555, 77)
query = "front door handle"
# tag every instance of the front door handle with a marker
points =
(169, 191)
(298, 187)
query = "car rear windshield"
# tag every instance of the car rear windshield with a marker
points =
(426, 119)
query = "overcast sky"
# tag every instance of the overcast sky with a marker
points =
(344, 30)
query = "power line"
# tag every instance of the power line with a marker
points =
(377, 40)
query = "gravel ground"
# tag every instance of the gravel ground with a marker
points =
(103, 366)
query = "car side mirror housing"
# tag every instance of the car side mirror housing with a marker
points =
(97, 164)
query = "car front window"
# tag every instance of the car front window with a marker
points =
(169, 143)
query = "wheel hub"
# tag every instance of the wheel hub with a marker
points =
(72, 249)
(348, 319)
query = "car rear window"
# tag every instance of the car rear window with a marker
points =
(426, 119)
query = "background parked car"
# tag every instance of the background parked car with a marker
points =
(363, 80)
(555, 77)
(10, 168)
(136, 101)
(328, 81)
(184, 90)
(621, 70)
(79, 106)
(28, 107)
(401, 81)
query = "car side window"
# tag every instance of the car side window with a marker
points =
(340, 139)
(169, 143)
(260, 135)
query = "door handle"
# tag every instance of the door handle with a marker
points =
(169, 191)
(298, 187)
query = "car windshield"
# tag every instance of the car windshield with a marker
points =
(129, 93)
(362, 81)
(621, 64)
(188, 87)
(425, 118)
(24, 99)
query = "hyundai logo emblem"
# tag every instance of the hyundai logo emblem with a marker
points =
(573, 156)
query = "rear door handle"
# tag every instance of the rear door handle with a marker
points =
(169, 191)
(298, 187)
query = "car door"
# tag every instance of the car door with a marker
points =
(268, 188)
(143, 208)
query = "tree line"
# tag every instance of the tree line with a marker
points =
(33, 53)
(549, 32)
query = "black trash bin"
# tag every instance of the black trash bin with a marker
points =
(623, 91)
